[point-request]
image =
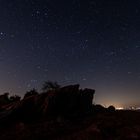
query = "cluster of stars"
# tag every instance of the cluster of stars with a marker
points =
(88, 42)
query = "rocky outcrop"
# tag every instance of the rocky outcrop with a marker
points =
(70, 100)
(66, 101)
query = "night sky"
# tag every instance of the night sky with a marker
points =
(95, 43)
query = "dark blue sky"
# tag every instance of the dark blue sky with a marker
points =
(90, 42)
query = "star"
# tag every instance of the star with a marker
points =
(1, 33)
(84, 79)
(129, 72)
(37, 12)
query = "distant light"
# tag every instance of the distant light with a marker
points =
(138, 108)
(133, 108)
(119, 108)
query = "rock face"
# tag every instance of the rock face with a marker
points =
(70, 100)
(66, 101)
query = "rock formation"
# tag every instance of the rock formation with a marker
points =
(66, 101)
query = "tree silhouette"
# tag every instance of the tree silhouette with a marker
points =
(30, 93)
(4, 98)
(6, 95)
(49, 85)
(15, 98)
(111, 108)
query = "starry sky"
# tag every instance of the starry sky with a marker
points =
(95, 43)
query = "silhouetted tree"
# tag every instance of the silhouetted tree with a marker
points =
(4, 98)
(111, 108)
(6, 95)
(15, 98)
(30, 93)
(49, 85)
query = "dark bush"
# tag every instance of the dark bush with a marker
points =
(111, 108)
(31, 93)
(15, 98)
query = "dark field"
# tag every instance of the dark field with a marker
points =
(119, 125)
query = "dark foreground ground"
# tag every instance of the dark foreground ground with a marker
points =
(118, 125)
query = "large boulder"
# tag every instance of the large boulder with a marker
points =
(70, 100)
